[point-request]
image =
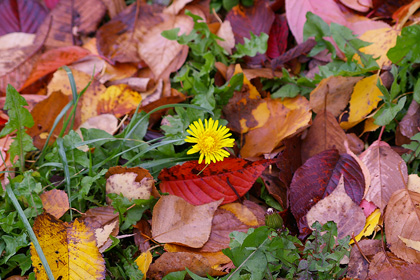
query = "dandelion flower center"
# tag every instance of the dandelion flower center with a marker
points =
(209, 139)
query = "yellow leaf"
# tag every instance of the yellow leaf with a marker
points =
(242, 213)
(254, 94)
(70, 250)
(370, 125)
(382, 40)
(365, 98)
(118, 100)
(371, 223)
(143, 262)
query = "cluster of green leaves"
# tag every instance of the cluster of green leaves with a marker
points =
(264, 253)
(196, 77)
(227, 5)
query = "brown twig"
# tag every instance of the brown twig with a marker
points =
(233, 189)
(358, 247)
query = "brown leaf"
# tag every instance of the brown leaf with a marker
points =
(165, 56)
(332, 94)
(70, 19)
(390, 267)
(388, 173)
(178, 261)
(358, 266)
(287, 118)
(133, 183)
(55, 202)
(16, 63)
(104, 221)
(224, 222)
(118, 39)
(225, 32)
(176, 221)
(114, 7)
(410, 123)
(142, 233)
(341, 209)
(402, 222)
(324, 134)
(44, 114)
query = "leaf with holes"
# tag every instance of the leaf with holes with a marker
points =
(228, 179)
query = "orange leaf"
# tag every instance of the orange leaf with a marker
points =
(55, 202)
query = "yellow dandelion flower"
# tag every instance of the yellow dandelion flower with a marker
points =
(210, 140)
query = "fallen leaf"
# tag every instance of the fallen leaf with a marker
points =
(176, 7)
(366, 96)
(257, 19)
(176, 221)
(55, 202)
(277, 40)
(63, 245)
(165, 56)
(117, 40)
(242, 213)
(132, 183)
(332, 94)
(318, 177)
(358, 265)
(53, 59)
(178, 261)
(118, 100)
(410, 123)
(142, 235)
(21, 16)
(341, 209)
(61, 23)
(216, 181)
(402, 221)
(358, 5)
(225, 32)
(16, 64)
(388, 173)
(89, 100)
(214, 258)
(44, 114)
(105, 122)
(404, 12)
(287, 117)
(224, 222)
(14, 39)
(325, 133)
(371, 222)
(390, 267)
(114, 7)
(143, 262)
(381, 41)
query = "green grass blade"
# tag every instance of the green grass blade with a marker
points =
(31, 233)
(62, 153)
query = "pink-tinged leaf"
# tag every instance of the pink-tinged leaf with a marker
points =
(318, 177)
(51, 3)
(388, 173)
(368, 207)
(21, 16)
(277, 42)
(216, 181)
(54, 59)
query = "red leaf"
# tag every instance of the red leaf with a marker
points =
(21, 16)
(213, 183)
(54, 59)
(277, 42)
(318, 178)
(51, 3)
